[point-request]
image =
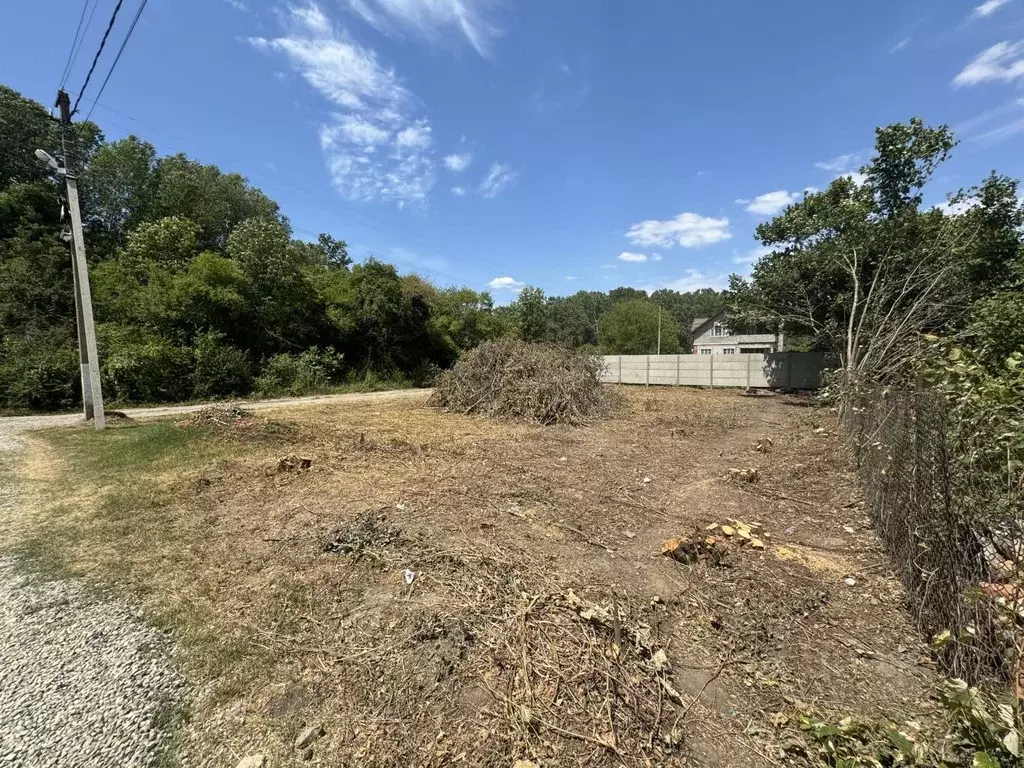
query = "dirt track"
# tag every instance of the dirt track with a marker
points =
(520, 538)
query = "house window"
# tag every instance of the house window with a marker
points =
(755, 350)
(705, 350)
(729, 351)
(718, 329)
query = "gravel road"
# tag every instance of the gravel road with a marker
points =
(84, 682)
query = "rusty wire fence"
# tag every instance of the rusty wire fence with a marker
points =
(953, 536)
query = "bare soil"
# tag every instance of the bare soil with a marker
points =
(542, 621)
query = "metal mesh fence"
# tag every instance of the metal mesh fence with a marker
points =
(958, 564)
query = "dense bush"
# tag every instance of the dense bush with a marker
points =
(40, 373)
(220, 370)
(511, 379)
(143, 369)
(312, 371)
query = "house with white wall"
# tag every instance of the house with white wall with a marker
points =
(712, 336)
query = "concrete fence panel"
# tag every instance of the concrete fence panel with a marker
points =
(792, 370)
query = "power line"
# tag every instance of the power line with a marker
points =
(74, 44)
(96, 58)
(117, 58)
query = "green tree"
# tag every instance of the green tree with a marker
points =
(631, 328)
(529, 314)
(118, 187)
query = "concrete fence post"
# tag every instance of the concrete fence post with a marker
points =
(620, 369)
(711, 369)
(750, 359)
(679, 359)
(648, 367)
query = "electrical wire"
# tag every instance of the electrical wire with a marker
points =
(117, 58)
(74, 44)
(96, 58)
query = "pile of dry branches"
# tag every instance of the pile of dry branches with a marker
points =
(513, 380)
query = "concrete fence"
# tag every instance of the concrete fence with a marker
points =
(795, 370)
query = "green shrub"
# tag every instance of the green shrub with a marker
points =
(220, 369)
(40, 372)
(143, 369)
(312, 371)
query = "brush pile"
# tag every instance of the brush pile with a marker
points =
(517, 381)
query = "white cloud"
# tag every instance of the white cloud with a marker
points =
(655, 257)
(506, 284)
(238, 5)
(900, 45)
(1002, 132)
(856, 177)
(458, 163)
(771, 203)
(753, 255)
(375, 146)
(627, 256)
(609, 266)
(415, 136)
(988, 8)
(695, 280)
(356, 130)
(1003, 61)
(431, 18)
(689, 230)
(499, 177)
(951, 208)
(741, 200)
(838, 164)
(570, 277)
(458, 191)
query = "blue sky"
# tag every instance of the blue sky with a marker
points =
(577, 144)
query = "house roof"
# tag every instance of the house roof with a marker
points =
(701, 321)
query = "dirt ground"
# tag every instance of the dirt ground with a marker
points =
(436, 589)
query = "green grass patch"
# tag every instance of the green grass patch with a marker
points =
(114, 455)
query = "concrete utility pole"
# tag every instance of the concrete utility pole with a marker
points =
(659, 330)
(92, 394)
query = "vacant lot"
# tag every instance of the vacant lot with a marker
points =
(435, 589)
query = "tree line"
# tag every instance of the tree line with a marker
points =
(201, 289)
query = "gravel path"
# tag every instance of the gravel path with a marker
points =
(83, 682)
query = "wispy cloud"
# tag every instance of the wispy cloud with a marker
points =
(771, 203)
(900, 45)
(457, 163)
(498, 177)
(634, 257)
(570, 277)
(506, 284)
(689, 230)
(971, 125)
(375, 146)
(1003, 61)
(839, 163)
(432, 19)
(694, 280)
(751, 256)
(988, 8)
(459, 191)
(1001, 133)
(238, 5)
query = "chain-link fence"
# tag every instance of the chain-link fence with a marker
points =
(959, 563)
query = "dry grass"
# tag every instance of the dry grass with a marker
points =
(541, 622)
